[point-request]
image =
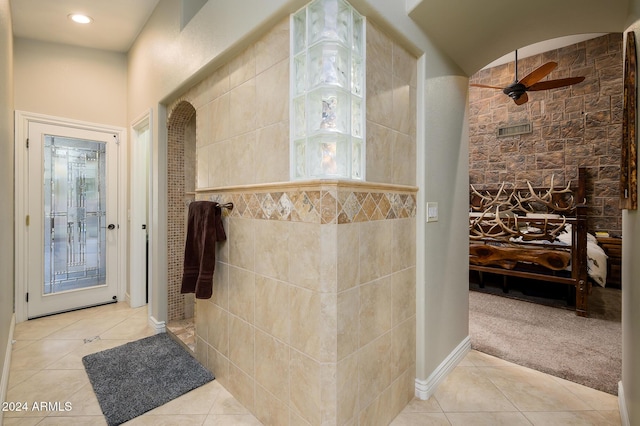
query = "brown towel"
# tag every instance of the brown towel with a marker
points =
(204, 228)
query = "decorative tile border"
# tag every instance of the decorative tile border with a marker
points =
(323, 202)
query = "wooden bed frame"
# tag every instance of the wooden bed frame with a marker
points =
(492, 249)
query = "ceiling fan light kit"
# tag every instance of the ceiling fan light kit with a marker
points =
(531, 82)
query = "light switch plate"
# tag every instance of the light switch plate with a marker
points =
(432, 212)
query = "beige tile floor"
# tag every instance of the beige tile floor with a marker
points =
(46, 366)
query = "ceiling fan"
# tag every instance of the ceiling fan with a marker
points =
(531, 82)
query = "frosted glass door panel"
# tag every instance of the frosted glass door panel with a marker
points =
(74, 214)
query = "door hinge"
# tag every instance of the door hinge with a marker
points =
(28, 220)
(27, 298)
(27, 143)
(117, 139)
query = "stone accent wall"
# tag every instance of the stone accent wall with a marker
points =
(578, 126)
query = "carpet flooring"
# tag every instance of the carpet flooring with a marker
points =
(548, 339)
(139, 376)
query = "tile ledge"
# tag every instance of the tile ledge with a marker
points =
(312, 184)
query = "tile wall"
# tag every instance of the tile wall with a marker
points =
(312, 319)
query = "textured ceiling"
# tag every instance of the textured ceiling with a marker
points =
(473, 33)
(116, 24)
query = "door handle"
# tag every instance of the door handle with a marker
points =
(111, 226)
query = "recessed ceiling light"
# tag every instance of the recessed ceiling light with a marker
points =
(80, 18)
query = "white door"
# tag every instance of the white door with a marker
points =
(138, 255)
(72, 232)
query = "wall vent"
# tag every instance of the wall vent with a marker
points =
(516, 129)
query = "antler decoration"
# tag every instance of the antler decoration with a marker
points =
(496, 208)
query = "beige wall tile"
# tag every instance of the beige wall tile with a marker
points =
(306, 310)
(401, 106)
(347, 389)
(203, 125)
(348, 322)
(211, 87)
(374, 369)
(218, 171)
(220, 295)
(272, 365)
(379, 412)
(272, 153)
(404, 160)
(218, 328)
(218, 364)
(328, 326)
(403, 243)
(242, 68)
(379, 50)
(348, 256)
(242, 290)
(240, 160)
(403, 295)
(305, 387)
(379, 98)
(272, 307)
(304, 268)
(269, 409)
(328, 258)
(241, 345)
(201, 319)
(272, 95)
(273, 47)
(242, 112)
(380, 144)
(240, 237)
(202, 167)
(222, 247)
(403, 351)
(404, 65)
(328, 394)
(272, 249)
(375, 249)
(403, 390)
(375, 310)
(218, 116)
(241, 386)
(201, 353)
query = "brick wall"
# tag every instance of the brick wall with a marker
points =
(577, 126)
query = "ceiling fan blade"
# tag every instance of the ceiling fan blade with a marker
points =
(486, 86)
(538, 74)
(553, 84)
(522, 99)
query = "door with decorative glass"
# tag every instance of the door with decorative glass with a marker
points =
(72, 218)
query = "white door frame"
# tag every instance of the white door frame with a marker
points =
(137, 289)
(22, 120)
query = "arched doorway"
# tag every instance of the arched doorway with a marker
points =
(181, 148)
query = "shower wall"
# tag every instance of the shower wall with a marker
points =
(312, 319)
(181, 147)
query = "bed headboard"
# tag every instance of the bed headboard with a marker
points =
(509, 199)
(503, 212)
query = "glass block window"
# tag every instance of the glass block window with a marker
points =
(327, 91)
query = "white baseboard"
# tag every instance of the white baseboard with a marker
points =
(426, 388)
(622, 406)
(158, 326)
(4, 380)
